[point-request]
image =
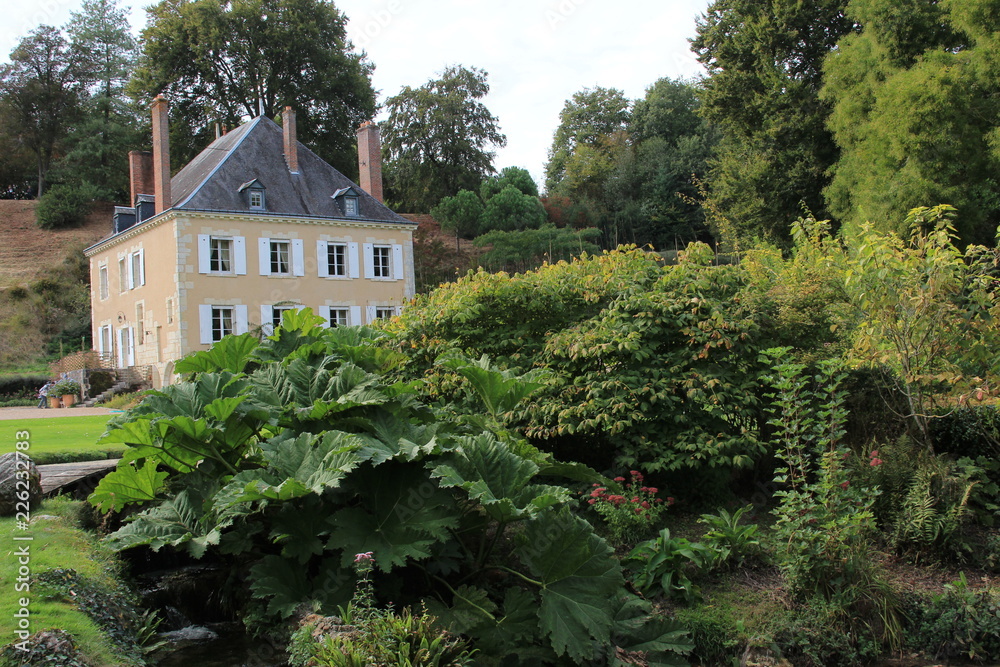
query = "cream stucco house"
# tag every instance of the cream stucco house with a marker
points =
(256, 224)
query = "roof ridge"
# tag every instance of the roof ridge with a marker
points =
(249, 128)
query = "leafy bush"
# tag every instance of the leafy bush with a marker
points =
(630, 514)
(124, 401)
(64, 206)
(22, 384)
(958, 623)
(293, 454)
(732, 542)
(379, 636)
(935, 507)
(823, 520)
(45, 458)
(652, 368)
(664, 564)
(65, 387)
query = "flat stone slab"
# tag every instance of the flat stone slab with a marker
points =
(57, 475)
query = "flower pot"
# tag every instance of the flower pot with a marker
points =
(53, 401)
(68, 400)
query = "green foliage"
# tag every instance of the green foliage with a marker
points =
(665, 565)
(460, 213)
(585, 120)
(914, 112)
(765, 72)
(511, 210)
(649, 366)
(927, 311)
(509, 176)
(824, 521)
(935, 507)
(732, 542)
(310, 454)
(527, 249)
(438, 138)
(291, 52)
(65, 206)
(632, 512)
(22, 383)
(961, 623)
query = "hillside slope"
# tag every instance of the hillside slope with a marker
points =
(27, 251)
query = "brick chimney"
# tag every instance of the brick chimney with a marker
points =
(161, 154)
(370, 160)
(291, 142)
(140, 170)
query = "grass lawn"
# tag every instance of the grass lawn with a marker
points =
(52, 440)
(57, 542)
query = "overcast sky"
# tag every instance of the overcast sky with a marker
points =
(537, 52)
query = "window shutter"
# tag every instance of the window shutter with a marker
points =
(298, 258)
(399, 310)
(129, 271)
(324, 312)
(130, 360)
(205, 323)
(322, 259)
(266, 316)
(370, 314)
(397, 261)
(241, 323)
(100, 340)
(264, 256)
(355, 316)
(204, 253)
(240, 255)
(142, 266)
(354, 267)
(122, 342)
(369, 260)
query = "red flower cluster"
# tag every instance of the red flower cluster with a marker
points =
(635, 494)
(875, 460)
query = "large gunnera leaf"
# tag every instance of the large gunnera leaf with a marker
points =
(399, 513)
(180, 520)
(497, 478)
(128, 484)
(578, 575)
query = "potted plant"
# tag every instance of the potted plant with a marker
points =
(68, 390)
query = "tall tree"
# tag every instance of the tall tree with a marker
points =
(438, 138)
(225, 61)
(97, 147)
(41, 87)
(916, 107)
(590, 125)
(765, 65)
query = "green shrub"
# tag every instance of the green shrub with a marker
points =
(123, 401)
(824, 518)
(666, 564)
(936, 507)
(630, 511)
(732, 542)
(822, 633)
(958, 623)
(19, 384)
(64, 206)
(46, 458)
(967, 431)
(100, 381)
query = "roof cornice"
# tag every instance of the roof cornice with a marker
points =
(131, 232)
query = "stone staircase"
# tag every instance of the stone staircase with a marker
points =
(127, 379)
(117, 388)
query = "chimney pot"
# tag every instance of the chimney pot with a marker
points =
(161, 154)
(291, 142)
(370, 160)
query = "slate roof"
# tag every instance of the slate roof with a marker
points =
(255, 150)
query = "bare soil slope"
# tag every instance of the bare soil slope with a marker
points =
(26, 251)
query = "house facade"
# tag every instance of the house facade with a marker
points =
(255, 225)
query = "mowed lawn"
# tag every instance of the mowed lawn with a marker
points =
(66, 434)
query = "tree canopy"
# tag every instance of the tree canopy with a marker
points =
(915, 112)
(765, 70)
(224, 61)
(438, 139)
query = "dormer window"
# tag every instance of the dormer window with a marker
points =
(348, 201)
(254, 193)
